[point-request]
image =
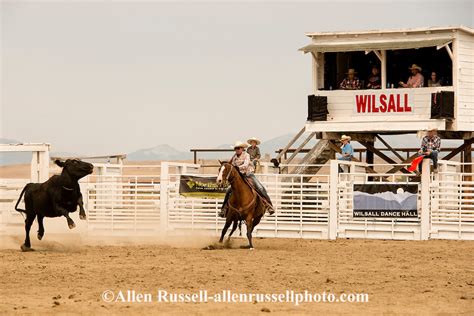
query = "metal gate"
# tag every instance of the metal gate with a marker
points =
(302, 208)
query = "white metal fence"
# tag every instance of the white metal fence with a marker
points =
(349, 226)
(452, 203)
(125, 199)
(302, 208)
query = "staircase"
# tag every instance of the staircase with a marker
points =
(312, 162)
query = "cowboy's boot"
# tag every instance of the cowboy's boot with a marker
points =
(270, 210)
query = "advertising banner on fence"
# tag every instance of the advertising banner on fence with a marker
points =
(385, 200)
(200, 187)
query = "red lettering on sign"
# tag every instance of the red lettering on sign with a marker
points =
(391, 104)
(407, 106)
(361, 101)
(399, 105)
(383, 103)
(375, 109)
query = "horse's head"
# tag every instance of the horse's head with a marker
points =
(225, 171)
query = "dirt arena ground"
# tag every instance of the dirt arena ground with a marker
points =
(68, 275)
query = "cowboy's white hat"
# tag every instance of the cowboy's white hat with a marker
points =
(345, 137)
(240, 143)
(254, 139)
(430, 129)
(415, 66)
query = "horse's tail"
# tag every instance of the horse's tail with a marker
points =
(19, 199)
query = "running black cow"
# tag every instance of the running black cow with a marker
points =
(58, 196)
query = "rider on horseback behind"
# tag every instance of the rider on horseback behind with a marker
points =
(241, 160)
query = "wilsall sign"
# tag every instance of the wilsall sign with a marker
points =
(194, 186)
(383, 102)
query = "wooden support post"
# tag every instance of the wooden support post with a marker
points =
(383, 64)
(390, 148)
(467, 160)
(400, 167)
(467, 143)
(371, 148)
(369, 155)
(315, 72)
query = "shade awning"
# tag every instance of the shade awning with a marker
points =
(382, 44)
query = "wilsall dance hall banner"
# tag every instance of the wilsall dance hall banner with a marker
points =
(385, 200)
(193, 186)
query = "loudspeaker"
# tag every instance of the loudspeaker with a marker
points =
(442, 105)
(317, 108)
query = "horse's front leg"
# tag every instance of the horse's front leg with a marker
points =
(226, 227)
(234, 227)
(249, 224)
(82, 212)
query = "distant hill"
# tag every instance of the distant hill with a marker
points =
(14, 158)
(160, 152)
(10, 158)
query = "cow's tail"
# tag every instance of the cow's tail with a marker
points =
(19, 199)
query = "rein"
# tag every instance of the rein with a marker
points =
(65, 188)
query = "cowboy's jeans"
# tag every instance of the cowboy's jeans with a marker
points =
(226, 198)
(433, 156)
(259, 187)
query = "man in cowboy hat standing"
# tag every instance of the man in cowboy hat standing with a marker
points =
(351, 82)
(241, 160)
(253, 150)
(430, 146)
(416, 79)
(346, 150)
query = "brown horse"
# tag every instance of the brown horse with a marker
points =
(244, 203)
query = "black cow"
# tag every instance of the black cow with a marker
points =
(56, 197)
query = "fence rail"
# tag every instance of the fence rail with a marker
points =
(145, 199)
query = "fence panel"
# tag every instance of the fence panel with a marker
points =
(10, 190)
(452, 198)
(349, 226)
(302, 209)
(121, 204)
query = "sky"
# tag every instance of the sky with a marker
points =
(102, 77)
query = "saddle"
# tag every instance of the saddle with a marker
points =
(252, 186)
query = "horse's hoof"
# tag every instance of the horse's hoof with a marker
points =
(71, 226)
(83, 217)
(25, 248)
(251, 248)
(40, 236)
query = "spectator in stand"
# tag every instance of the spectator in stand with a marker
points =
(430, 146)
(416, 79)
(346, 150)
(374, 80)
(434, 80)
(254, 151)
(351, 82)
